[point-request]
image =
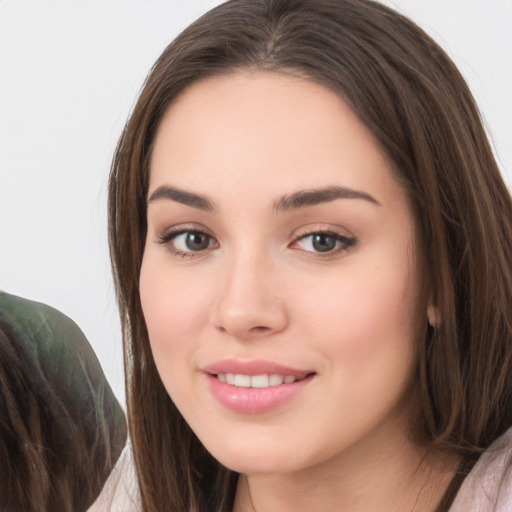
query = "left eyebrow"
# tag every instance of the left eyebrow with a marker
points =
(304, 198)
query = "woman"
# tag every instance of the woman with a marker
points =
(310, 242)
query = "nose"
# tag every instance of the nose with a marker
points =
(249, 303)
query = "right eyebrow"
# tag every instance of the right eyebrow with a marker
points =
(183, 197)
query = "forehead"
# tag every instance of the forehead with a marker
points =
(226, 130)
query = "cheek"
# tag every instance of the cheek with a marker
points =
(175, 312)
(365, 315)
(366, 328)
(166, 313)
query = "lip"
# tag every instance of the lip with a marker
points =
(254, 400)
(253, 367)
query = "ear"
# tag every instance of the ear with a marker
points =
(433, 316)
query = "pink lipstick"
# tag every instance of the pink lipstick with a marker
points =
(254, 386)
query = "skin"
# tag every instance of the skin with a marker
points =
(260, 289)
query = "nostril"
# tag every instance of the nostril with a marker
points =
(259, 328)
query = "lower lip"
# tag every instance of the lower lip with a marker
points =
(254, 400)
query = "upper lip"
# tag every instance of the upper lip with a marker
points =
(254, 367)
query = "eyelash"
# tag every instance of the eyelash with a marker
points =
(345, 242)
(168, 236)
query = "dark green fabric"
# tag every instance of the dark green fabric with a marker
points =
(48, 363)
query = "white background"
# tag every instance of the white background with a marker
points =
(69, 73)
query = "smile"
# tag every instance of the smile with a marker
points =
(255, 387)
(256, 381)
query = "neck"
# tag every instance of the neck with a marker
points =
(401, 477)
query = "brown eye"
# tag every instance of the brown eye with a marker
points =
(195, 241)
(187, 242)
(323, 242)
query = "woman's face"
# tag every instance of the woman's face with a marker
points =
(280, 282)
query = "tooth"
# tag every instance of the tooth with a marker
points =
(243, 381)
(275, 380)
(255, 381)
(259, 381)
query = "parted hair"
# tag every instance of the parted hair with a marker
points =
(411, 96)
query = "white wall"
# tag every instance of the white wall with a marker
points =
(69, 74)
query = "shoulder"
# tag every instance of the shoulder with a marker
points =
(488, 488)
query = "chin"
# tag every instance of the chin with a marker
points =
(256, 459)
(256, 465)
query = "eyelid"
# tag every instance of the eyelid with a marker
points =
(311, 229)
(184, 228)
(168, 234)
(341, 234)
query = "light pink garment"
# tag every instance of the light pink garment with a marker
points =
(488, 488)
(119, 493)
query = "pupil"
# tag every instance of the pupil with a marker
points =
(324, 243)
(197, 241)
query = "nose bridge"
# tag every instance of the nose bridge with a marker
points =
(248, 303)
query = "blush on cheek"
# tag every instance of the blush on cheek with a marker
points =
(166, 319)
(362, 318)
(167, 302)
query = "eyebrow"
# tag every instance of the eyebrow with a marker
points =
(299, 199)
(183, 197)
(304, 198)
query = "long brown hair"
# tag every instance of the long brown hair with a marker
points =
(61, 428)
(410, 95)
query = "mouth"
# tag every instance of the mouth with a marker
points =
(255, 373)
(258, 381)
(255, 386)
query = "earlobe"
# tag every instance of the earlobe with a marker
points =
(433, 316)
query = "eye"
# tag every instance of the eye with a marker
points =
(323, 242)
(187, 242)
